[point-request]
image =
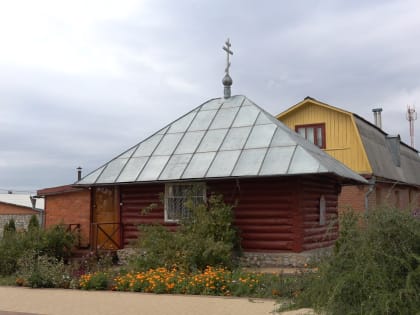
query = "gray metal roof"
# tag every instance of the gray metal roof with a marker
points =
(381, 155)
(221, 138)
(22, 200)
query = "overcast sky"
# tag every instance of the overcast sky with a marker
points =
(83, 80)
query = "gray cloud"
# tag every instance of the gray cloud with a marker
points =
(93, 85)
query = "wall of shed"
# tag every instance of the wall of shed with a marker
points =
(70, 208)
(272, 214)
(342, 139)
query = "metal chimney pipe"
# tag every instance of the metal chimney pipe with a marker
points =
(377, 116)
(79, 173)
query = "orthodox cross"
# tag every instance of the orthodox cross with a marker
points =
(228, 52)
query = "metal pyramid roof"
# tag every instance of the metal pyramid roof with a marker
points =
(221, 138)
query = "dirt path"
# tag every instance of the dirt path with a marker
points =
(71, 302)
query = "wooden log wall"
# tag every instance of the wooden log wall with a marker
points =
(272, 214)
(263, 212)
(314, 234)
(136, 209)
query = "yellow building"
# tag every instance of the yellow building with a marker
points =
(391, 166)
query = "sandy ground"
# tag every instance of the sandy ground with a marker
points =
(25, 301)
(71, 302)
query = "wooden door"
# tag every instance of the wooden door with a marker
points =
(106, 219)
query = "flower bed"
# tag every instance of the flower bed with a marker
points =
(211, 281)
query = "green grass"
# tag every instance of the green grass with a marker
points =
(8, 281)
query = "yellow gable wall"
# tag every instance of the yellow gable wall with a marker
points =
(342, 139)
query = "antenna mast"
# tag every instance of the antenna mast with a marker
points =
(411, 117)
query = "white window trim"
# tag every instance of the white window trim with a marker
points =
(166, 205)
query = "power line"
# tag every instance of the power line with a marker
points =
(14, 191)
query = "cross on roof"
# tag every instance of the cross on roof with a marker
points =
(228, 52)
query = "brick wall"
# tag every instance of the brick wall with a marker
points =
(21, 221)
(6, 208)
(388, 194)
(70, 208)
(20, 214)
(353, 197)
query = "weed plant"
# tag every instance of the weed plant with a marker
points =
(375, 268)
(41, 271)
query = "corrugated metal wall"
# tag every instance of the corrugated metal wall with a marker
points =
(269, 212)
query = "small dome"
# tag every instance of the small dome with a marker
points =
(227, 80)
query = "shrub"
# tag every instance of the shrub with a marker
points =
(9, 228)
(55, 242)
(42, 271)
(206, 238)
(33, 223)
(375, 268)
(10, 250)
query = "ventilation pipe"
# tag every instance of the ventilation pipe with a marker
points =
(377, 116)
(79, 173)
(372, 183)
(33, 202)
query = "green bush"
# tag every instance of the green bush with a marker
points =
(206, 238)
(375, 268)
(33, 223)
(9, 228)
(55, 242)
(10, 251)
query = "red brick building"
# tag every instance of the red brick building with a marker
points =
(68, 205)
(20, 208)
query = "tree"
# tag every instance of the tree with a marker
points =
(33, 223)
(9, 228)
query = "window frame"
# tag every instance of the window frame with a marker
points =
(322, 210)
(167, 197)
(315, 127)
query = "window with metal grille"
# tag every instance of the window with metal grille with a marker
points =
(314, 133)
(176, 196)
